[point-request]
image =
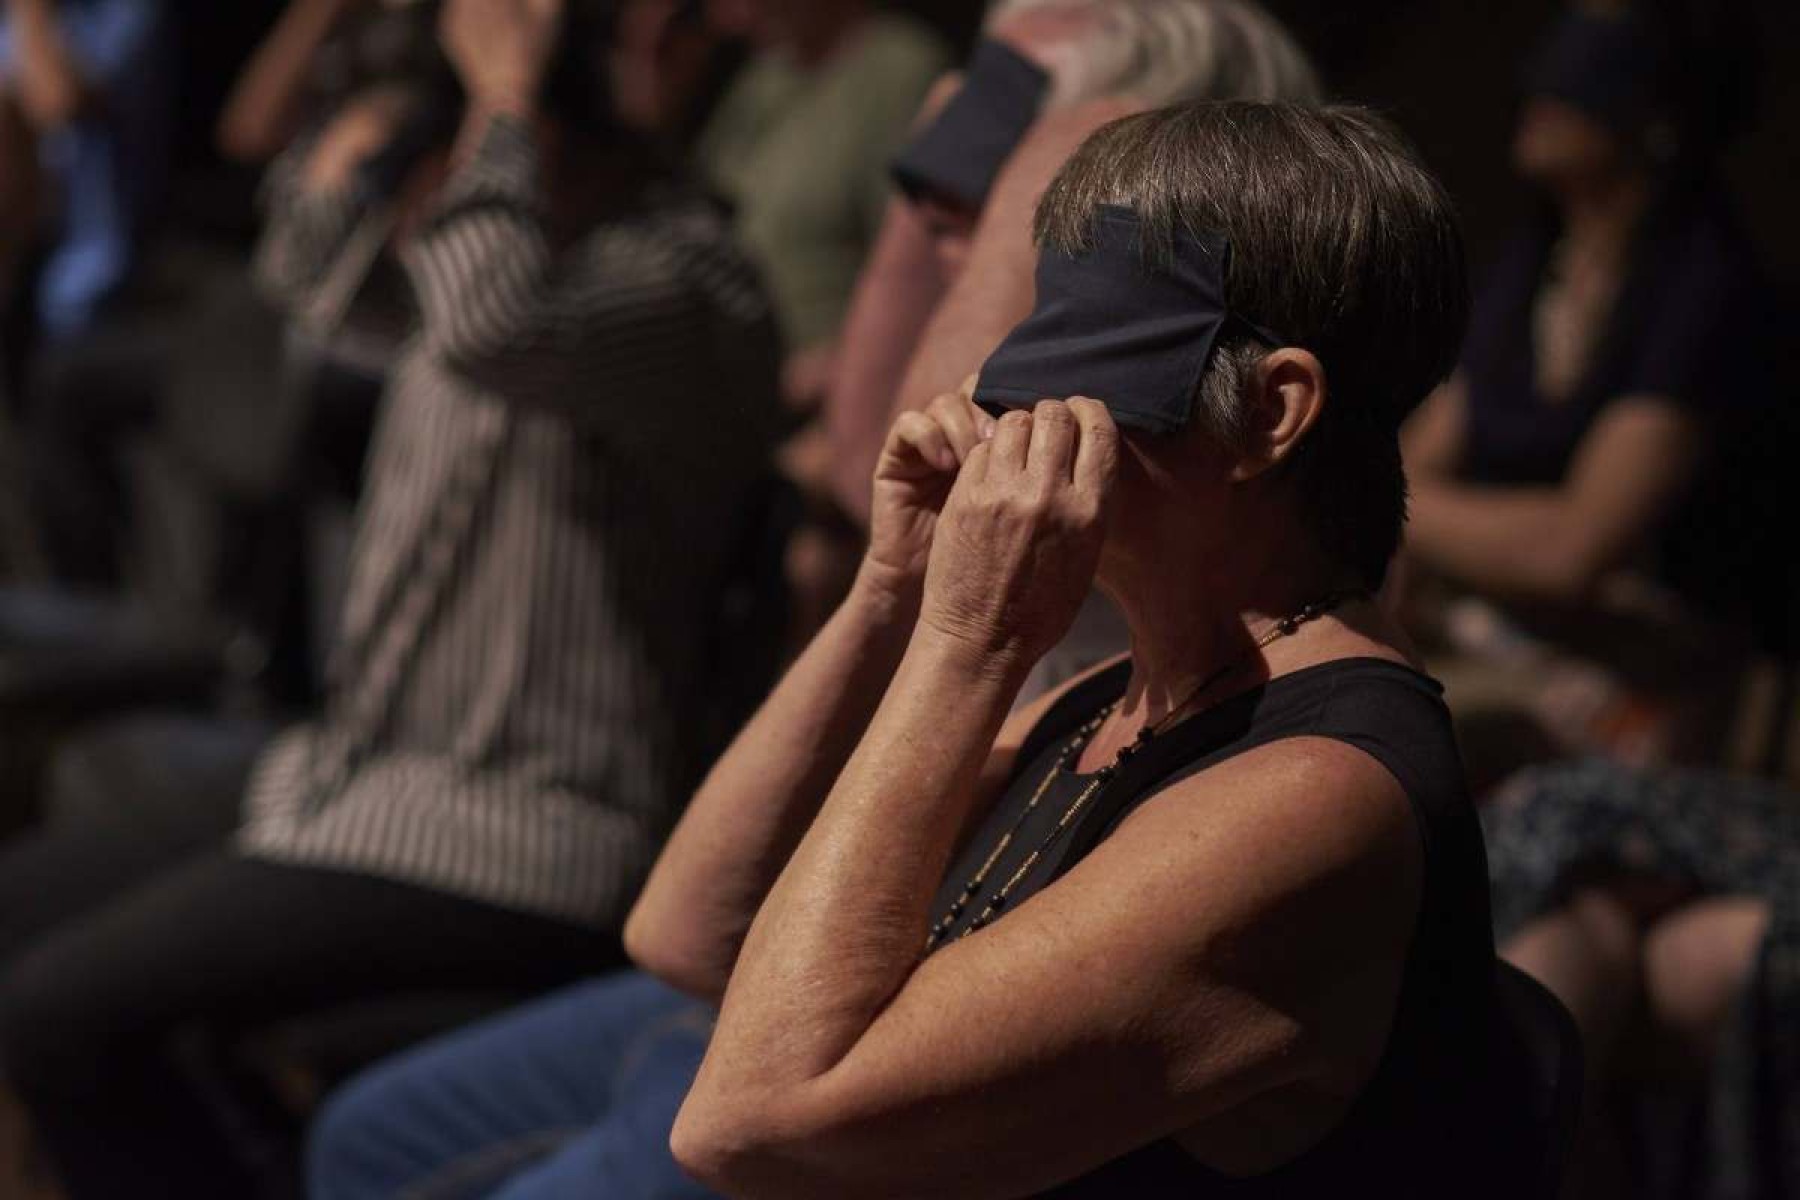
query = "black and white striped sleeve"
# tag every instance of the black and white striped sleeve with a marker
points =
(604, 332)
(305, 228)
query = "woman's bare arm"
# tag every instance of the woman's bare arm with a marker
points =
(895, 296)
(53, 91)
(1243, 933)
(751, 811)
(1432, 438)
(263, 112)
(1556, 543)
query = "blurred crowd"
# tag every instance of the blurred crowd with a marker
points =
(407, 497)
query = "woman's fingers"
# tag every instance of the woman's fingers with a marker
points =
(1053, 434)
(1010, 447)
(1097, 452)
(960, 421)
(928, 440)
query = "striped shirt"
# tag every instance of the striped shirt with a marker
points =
(559, 477)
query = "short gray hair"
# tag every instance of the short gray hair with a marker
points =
(1164, 51)
(1340, 238)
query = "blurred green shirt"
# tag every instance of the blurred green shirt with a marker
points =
(803, 155)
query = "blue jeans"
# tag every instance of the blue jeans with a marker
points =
(571, 1096)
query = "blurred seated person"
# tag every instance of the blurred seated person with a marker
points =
(1046, 73)
(800, 145)
(1663, 908)
(86, 90)
(1612, 355)
(547, 519)
(1212, 919)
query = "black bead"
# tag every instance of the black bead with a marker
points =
(1104, 774)
(971, 887)
(998, 902)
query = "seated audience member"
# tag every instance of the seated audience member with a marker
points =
(86, 99)
(1663, 908)
(800, 145)
(546, 522)
(1255, 824)
(1045, 76)
(1611, 364)
(86, 89)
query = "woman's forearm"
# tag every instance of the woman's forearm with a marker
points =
(263, 112)
(893, 303)
(757, 802)
(52, 90)
(1520, 543)
(845, 924)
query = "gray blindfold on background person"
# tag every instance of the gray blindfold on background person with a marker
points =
(1111, 325)
(960, 153)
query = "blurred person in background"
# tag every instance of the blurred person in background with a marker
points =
(1663, 908)
(546, 523)
(86, 107)
(800, 145)
(1564, 481)
(951, 272)
(86, 96)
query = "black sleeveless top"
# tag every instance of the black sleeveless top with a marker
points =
(1417, 1128)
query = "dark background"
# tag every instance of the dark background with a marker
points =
(1444, 69)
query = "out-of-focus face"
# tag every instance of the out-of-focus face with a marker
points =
(766, 23)
(1043, 35)
(1559, 145)
(657, 64)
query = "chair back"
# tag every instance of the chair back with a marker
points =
(1538, 1050)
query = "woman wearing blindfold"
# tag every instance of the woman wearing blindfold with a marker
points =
(1212, 918)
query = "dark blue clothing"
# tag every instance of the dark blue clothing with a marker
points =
(1678, 332)
(567, 1098)
(108, 168)
(1697, 325)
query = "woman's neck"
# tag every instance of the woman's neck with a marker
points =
(1600, 217)
(1195, 630)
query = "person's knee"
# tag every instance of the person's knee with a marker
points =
(1697, 961)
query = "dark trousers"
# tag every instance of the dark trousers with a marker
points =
(97, 1019)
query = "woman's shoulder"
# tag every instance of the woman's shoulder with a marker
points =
(1384, 707)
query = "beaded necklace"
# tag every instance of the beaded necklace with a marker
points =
(1097, 783)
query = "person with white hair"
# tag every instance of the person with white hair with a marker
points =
(1046, 73)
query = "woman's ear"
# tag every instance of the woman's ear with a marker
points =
(1287, 400)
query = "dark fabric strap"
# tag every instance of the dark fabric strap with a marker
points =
(960, 153)
(1115, 326)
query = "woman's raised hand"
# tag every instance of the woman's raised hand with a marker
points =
(924, 452)
(501, 48)
(1019, 537)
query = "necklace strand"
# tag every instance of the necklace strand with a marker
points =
(1071, 753)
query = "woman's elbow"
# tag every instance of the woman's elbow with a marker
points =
(745, 1145)
(659, 951)
(721, 1142)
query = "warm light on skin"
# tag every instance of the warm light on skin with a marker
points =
(1559, 146)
